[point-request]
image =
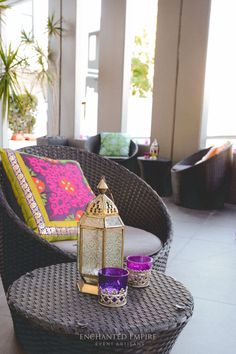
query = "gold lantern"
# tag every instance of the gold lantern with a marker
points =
(100, 241)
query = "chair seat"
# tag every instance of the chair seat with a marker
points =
(136, 242)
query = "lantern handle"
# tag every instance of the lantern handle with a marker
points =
(111, 195)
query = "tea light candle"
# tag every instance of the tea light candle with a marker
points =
(112, 286)
(139, 268)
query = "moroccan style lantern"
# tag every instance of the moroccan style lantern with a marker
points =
(101, 240)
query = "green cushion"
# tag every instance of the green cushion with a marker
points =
(114, 144)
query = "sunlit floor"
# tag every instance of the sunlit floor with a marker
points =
(203, 258)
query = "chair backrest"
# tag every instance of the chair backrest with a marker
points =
(127, 188)
(93, 144)
(202, 183)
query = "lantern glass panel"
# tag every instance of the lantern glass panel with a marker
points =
(93, 222)
(91, 261)
(113, 250)
(113, 221)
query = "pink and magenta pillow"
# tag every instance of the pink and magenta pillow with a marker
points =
(53, 194)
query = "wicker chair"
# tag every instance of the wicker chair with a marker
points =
(93, 145)
(22, 250)
(203, 185)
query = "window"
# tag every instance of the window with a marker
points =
(220, 85)
(142, 17)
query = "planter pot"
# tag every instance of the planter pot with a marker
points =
(29, 136)
(17, 136)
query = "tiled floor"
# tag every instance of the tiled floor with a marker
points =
(203, 258)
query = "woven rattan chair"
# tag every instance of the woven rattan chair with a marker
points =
(22, 250)
(93, 145)
(203, 185)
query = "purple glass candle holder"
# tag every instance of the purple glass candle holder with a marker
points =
(112, 286)
(139, 268)
(146, 155)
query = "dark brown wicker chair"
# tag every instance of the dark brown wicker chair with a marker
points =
(93, 145)
(203, 185)
(22, 250)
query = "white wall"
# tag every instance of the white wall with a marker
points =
(191, 76)
(54, 92)
(165, 74)
(111, 65)
(68, 69)
(61, 98)
(182, 35)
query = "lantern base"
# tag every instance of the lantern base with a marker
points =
(87, 288)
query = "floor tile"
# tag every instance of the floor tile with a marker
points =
(220, 234)
(176, 247)
(1, 288)
(4, 310)
(211, 330)
(8, 342)
(200, 250)
(185, 229)
(224, 217)
(205, 280)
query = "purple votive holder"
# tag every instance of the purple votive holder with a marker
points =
(112, 286)
(146, 155)
(139, 268)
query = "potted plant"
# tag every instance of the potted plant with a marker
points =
(10, 65)
(22, 115)
(12, 68)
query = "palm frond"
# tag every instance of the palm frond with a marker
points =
(27, 38)
(9, 84)
(54, 28)
(3, 6)
(39, 50)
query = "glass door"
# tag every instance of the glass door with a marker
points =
(142, 18)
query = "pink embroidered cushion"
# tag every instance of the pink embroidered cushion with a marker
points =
(53, 194)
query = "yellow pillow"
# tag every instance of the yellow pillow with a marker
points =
(52, 194)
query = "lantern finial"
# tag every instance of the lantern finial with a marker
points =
(102, 186)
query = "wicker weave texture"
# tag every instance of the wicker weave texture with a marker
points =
(22, 250)
(51, 316)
